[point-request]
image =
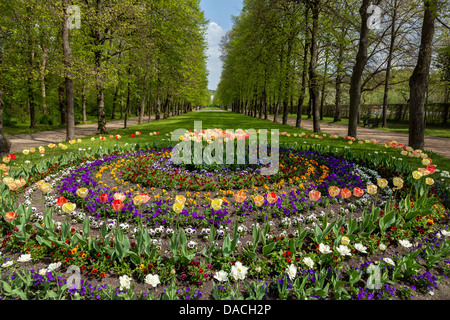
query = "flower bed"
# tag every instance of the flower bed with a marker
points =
(327, 226)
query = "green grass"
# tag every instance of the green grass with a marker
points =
(394, 126)
(226, 120)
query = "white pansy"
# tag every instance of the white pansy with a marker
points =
(221, 276)
(382, 246)
(445, 233)
(152, 280)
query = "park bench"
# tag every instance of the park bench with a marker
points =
(371, 122)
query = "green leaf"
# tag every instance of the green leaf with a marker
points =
(268, 248)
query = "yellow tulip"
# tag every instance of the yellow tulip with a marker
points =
(429, 181)
(372, 189)
(417, 175)
(178, 207)
(69, 207)
(82, 192)
(46, 187)
(7, 180)
(216, 204)
(382, 183)
(180, 199)
(138, 200)
(26, 152)
(345, 241)
(398, 182)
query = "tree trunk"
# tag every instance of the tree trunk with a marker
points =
(116, 93)
(128, 105)
(5, 144)
(418, 82)
(62, 103)
(358, 68)
(68, 79)
(301, 97)
(83, 102)
(43, 71)
(322, 99)
(31, 105)
(313, 77)
(142, 111)
(339, 77)
(388, 67)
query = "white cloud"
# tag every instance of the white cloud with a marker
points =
(214, 64)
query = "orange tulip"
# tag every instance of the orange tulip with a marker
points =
(346, 193)
(272, 197)
(334, 191)
(10, 216)
(357, 192)
(117, 205)
(314, 195)
(259, 200)
(239, 196)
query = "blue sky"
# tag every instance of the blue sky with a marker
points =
(219, 13)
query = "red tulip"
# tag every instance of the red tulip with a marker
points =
(10, 216)
(272, 197)
(358, 192)
(61, 200)
(104, 197)
(314, 195)
(132, 135)
(345, 193)
(12, 156)
(431, 168)
(117, 205)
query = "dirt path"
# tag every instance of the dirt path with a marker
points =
(437, 144)
(27, 140)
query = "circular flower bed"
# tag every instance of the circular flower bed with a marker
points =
(151, 229)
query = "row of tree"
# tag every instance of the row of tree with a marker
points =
(62, 56)
(285, 54)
